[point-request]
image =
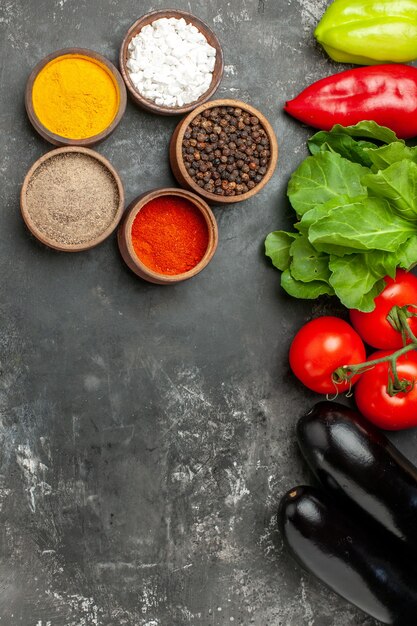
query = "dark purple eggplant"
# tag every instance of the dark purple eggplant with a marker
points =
(348, 557)
(356, 463)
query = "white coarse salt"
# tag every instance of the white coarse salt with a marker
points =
(170, 62)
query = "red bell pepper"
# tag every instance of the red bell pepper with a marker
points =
(386, 94)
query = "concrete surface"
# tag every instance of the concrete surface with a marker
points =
(146, 432)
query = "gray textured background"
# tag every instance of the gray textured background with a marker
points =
(146, 432)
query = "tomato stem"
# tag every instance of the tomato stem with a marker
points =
(347, 372)
(397, 317)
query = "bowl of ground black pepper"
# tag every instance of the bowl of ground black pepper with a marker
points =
(72, 199)
(225, 151)
(167, 235)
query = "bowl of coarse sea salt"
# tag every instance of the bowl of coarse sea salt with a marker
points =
(171, 62)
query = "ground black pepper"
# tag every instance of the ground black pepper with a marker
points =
(226, 151)
(72, 198)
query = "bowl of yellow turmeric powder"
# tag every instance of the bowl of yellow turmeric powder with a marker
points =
(75, 97)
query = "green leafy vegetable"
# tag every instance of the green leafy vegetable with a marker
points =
(407, 256)
(385, 156)
(370, 224)
(397, 183)
(307, 263)
(277, 247)
(300, 289)
(367, 130)
(356, 281)
(356, 208)
(323, 177)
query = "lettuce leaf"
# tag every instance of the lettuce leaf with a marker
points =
(397, 183)
(307, 291)
(407, 255)
(365, 130)
(358, 278)
(307, 264)
(322, 177)
(277, 247)
(385, 156)
(347, 147)
(355, 201)
(369, 224)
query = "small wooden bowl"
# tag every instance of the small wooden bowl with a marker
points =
(177, 163)
(58, 140)
(128, 253)
(149, 105)
(42, 237)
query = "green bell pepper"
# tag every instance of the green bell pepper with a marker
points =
(367, 32)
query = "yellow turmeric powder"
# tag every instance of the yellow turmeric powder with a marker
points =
(75, 96)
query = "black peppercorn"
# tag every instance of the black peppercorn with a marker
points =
(226, 151)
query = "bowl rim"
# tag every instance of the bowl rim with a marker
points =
(134, 29)
(125, 230)
(59, 140)
(51, 243)
(228, 102)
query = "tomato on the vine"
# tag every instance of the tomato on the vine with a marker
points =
(320, 347)
(373, 400)
(373, 327)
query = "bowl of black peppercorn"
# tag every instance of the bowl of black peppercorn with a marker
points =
(224, 150)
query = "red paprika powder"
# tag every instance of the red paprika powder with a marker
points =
(170, 235)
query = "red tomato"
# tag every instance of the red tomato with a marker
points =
(374, 402)
(320, 347)
(374, 328)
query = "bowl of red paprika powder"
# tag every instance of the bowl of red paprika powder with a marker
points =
(168, 235)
